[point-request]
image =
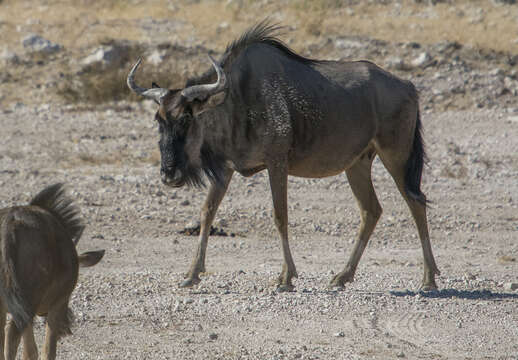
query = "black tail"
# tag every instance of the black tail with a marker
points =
(54, 200)
(10, 289)
(414, 166)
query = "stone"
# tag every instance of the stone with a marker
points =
(104, 57)
(422, 60)
(222, 27)
(396, 63)
(36, 43)
(9, 57)
(511, 286)
(156, 57)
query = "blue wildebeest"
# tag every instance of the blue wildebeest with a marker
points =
(262, 106)
(39, 269)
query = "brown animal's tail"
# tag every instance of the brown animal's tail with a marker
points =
(414, 166)
(10, 289)
(54, 200)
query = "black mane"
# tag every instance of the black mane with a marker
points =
(54, 200)
(263, 32)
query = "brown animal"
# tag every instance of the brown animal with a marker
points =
(262, 106)
(39, 269)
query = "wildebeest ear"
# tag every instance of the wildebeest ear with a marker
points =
(90, 258)
(201, 106)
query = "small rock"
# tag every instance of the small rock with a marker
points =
(185, 202)
(400, 355)
(9, 57)
(422, 60)
(177, 307)
(213, 336)
(348, 44)
(36, 43)
(104, 57)
(222, 27)
(222, 223)
(496, 72)
(511, 286)
(339, 334)
(396, 63)
(156, 57)
(193, 224)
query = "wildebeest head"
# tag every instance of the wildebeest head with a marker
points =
(183, 154)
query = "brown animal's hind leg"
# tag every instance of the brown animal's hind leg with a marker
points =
(208, 211)
(58, 325)
(359, 176)
(278, 176)
(30, 350)
(12, 340)
(3, 313)
(418, 210)
(51, 340)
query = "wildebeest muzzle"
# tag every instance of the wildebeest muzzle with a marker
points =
(171, 177)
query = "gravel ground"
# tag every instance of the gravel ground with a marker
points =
(130, 306)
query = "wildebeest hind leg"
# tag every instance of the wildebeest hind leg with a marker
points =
(278, 176)
(58, 325)
(359, 176)
(418, 210)
(208, 212)
(12, 340)
(3, 313)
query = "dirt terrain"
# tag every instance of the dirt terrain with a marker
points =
(66, 115)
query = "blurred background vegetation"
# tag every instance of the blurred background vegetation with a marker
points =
(191, 28)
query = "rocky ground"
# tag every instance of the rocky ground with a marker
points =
(66, 116)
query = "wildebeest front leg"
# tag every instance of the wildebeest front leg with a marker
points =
(30, 350)
(359, 176)
(208, 212)
(278, 175)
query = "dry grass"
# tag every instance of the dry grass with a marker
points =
(83, 24)
(478, 23)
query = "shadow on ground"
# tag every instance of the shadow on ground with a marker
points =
(460, 294)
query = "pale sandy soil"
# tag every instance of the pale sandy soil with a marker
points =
(130, 306)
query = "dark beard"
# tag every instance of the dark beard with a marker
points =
(212, 166)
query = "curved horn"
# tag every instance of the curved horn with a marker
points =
(154, 93)
(204, 91)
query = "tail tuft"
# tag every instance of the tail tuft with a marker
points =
(415, 164)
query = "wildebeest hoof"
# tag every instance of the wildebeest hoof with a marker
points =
(336, 286)
(285, 288)
(339, 280)
(428, 287)
(190, 282)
